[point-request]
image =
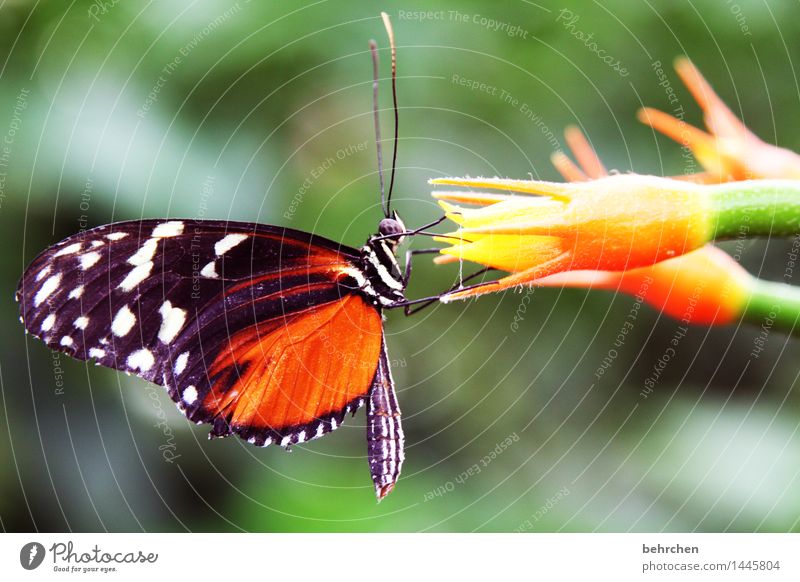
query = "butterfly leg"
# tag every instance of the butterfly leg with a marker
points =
(415, 305)
(409, 256)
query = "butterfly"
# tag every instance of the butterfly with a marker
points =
(260, 331)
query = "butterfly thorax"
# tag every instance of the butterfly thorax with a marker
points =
(383, 281)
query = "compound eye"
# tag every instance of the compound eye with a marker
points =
(389, 226)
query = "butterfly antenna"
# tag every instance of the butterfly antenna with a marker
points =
(390, 32)
(373, 49)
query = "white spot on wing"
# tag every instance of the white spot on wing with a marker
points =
(210, 271)
(68, 250)
(116, 235)
(43, 273)
(173, 319)
(136, 276)
(285, 441)
(89, 260)
(123, 321)
(81, 322)
(167, 229)
(190, 395)
(48, 322)
(320, 430)
(301, 436)
(333, 424)
(180, 362)
(66, 341)
(46, 289)
(145, 253)
(97, 243)
(141, 360)
(97, 353)
(76, 293)
(227, 243)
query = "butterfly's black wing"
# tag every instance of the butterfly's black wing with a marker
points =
(257, 330)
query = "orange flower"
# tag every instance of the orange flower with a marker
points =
(612, 223)
(730, 152)
(704, 287)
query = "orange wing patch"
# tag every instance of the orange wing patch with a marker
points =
(289, 374)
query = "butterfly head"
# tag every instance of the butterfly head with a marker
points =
(393, 229)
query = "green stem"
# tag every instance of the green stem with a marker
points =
(756, 208)
(774, 306)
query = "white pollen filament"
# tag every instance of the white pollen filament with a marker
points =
(116, 235)
(89, 260)
(81, 322)
(173, 319)
(69, 250)
(136, 276)
(145, 253)
(97, 353)
(190, 395)
(180, 362)
(46, 289)
(168, 229)
(123, 321)
(210, 271)
(49, 322)
(141, 360)
(66, 341)
(76, 293)
(227, 243)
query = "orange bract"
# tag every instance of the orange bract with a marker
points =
(730, 151)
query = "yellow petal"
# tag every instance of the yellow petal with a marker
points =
(507, 252)
(537, 187)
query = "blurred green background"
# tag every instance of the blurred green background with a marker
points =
(227, 110)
